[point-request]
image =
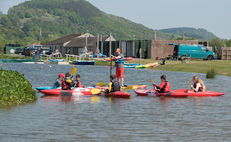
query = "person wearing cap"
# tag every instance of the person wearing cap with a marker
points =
(164, 87)
(59, 80)
(119, 64)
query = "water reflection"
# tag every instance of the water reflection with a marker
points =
(97, 118)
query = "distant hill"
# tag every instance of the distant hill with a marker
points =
(57, 18)
(202, 34)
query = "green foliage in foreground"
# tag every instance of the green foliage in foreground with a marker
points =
(15, 89)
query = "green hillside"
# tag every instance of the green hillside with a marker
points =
(201, 34)
(57, 18)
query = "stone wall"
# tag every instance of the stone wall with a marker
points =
(161, 49)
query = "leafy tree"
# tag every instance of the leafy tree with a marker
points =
(228, 43)
(217, 42)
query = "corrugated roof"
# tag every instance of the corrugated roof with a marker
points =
(81, 42)
(62, 40)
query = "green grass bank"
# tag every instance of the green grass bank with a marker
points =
(221, 67)
(15, 89)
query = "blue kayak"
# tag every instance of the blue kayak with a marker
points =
(56, 60)
(46, 88)
(131, 64)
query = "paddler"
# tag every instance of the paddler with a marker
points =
(67, 82)
(114, 85)
(59, 80)
(77, 82)
(164, 87)
(119, 64)
(198, 85)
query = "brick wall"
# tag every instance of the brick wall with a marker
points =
(161, 49)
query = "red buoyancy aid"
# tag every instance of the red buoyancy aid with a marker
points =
(66, 86)
(164, 87)
(200, 88)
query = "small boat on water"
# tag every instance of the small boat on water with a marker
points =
(39, 62)
(56, 60)
(83, 62)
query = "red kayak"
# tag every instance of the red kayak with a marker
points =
(152, 92)
(76, 91)
(178, 93)
(145, 92)
(124, 88)
(113, 59)
(117, 94)
(199, 94)
(171, 94)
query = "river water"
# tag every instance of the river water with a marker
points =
(96, 118)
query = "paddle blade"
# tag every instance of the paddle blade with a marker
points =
(100, 84)
(152, 81)
(95, 91)
(73, 71)
(128, 88)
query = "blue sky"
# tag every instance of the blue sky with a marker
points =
(213, 15)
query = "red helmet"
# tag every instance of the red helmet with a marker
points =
(61, 75)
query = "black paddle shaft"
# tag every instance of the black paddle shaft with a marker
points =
(111, 67)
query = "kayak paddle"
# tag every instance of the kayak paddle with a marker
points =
(95, 91)
(152, 81)
(73, 70)
(128, 87)
(100, 84)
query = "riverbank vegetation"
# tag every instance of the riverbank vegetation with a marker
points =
(15, 89)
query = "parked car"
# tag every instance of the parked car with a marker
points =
(193, 51)
(19, 51)
(45, 51)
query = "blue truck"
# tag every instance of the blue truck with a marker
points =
(192, 51)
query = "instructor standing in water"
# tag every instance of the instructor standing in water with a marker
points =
(119, 64)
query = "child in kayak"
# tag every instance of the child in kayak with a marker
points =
(77, 82)
(59, 80)
(67, 82)
(164, 87)
(114, 85)
(198, 85)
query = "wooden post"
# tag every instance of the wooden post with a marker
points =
(182, 35)
(97, 47)
(101, 39)
(110, 45)
(140, 56)
(154, 36)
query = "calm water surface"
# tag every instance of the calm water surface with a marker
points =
(106, 119)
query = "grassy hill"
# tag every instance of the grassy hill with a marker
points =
(202, 34)
(57, 18)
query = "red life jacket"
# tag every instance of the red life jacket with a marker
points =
(164, 87)
(66, 86)
(200, 88)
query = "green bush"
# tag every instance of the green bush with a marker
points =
(211, 73)
(15, 89)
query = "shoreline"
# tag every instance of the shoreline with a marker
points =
(221, 67)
